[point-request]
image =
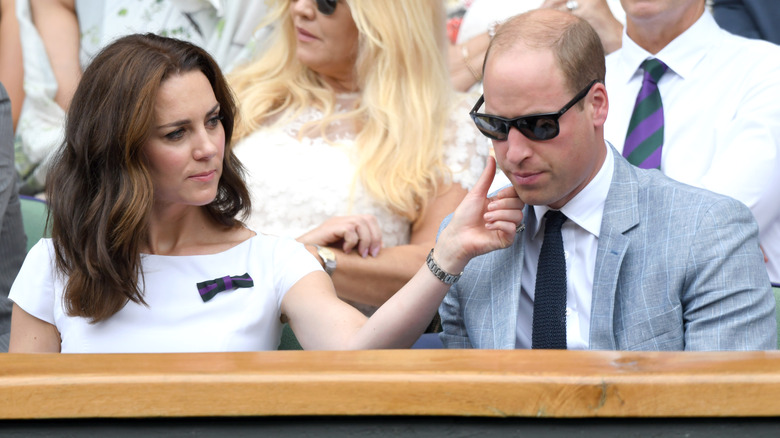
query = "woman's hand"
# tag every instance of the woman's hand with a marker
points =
(357, 232)
(479, 224)
(599, 15)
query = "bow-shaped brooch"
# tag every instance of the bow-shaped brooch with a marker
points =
(209, 288)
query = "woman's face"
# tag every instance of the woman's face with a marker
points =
(327, 44)
(185, 149)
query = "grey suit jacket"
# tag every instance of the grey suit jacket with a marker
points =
(677, 268)
(13, 243)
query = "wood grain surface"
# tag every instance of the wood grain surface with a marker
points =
(486, 383)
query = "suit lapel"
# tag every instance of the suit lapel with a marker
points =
(505, 288)
(621, 213)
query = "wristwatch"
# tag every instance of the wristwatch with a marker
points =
(328, 258)
(444, 276)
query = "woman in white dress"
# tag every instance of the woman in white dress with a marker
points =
(147, 252)
(354, 142)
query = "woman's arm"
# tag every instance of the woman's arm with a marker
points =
(58, 27)
(32, 335)
(479, 225)
(465, 61)
(599, 15)
(11, 69)
(372, 279)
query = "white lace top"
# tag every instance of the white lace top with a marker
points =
(297, 184)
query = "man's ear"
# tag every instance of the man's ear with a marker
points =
(599, 103)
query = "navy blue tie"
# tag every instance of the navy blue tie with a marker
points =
(549, 321)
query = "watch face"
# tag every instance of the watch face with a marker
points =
(328, 259)
(326, 253)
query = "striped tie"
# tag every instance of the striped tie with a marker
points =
(645, 134)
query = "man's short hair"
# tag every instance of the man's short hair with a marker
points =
(575, 44)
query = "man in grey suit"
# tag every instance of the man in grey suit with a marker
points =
(12, 237)
(650, 263)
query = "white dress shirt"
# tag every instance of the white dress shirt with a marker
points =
(721, 99)
(580, 241)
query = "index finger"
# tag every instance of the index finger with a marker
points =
(486, 179)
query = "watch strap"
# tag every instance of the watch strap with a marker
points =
(444, 276)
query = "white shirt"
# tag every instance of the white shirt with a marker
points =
(721, 98)
(176, 319)
(580, 242)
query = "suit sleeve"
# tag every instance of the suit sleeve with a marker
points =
(454, 334)
(728, 301)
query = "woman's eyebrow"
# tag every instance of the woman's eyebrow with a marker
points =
(214, 109)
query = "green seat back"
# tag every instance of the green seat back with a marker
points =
(34, 214)
(289, 341)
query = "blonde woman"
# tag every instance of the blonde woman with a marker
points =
(354, 142)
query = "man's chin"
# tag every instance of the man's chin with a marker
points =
(532, 197)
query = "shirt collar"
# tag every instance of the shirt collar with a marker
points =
(681, 55)
(586, 208)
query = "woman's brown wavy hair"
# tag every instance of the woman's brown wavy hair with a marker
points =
(99, 189)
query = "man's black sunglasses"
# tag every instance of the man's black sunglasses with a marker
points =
(327, 7)
(536, 126)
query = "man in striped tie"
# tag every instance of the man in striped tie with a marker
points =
(702, 105)
(609, 256)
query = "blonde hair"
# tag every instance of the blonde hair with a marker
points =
(404, 99)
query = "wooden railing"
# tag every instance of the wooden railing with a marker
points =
(487, 383)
